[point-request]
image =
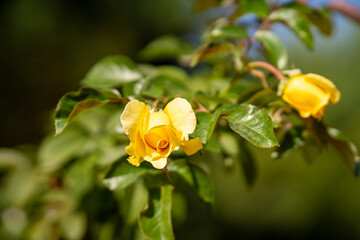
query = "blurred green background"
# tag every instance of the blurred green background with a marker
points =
(48, 46)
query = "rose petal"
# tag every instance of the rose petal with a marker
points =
(134, 160)
(158, 119)
(305, 97)
(181, 115)
(326, 85)
(133, 117)
(159, 164)
(191, 146)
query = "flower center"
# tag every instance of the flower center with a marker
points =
(158, 139)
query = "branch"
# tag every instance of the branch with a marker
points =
(346, 9)
(269, 67)
(261, 76)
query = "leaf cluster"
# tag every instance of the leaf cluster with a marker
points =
(84, 185)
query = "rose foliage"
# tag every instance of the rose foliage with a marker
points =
(135, 133)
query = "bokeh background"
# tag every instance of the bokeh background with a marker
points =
(47, 47)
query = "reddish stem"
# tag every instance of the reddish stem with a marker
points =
(269, 67)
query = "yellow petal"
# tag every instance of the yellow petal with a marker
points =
(191, 146)
(157, 138)
(140, 149)
(159, 164)
(324, 84)
(158, 119)
(130, 149)
(133, 117)
(136, 150)
(173, 138)
(181, 115)
(305, 97)
(134, 160)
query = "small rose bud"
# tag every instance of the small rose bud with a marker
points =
(310, 94)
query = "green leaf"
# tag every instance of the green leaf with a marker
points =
(296, 21)
(292, 140)
(133, 202)
(346, 149)
(73, 225)
(206, 125)
(253, 124)
(79, 178)
(258, 7)
(275, 50)
(112, 71)
(111, 93)
(164, 48)
(55, 151)
(122, 174)
(319, 17)
(195, 177)
(13, 159)
(75, 103)
(209, 50)
(262, 98)
(229, 31)
(165, 80)
(155, 220)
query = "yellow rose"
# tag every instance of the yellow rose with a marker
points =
(310, 94)
(155, 134)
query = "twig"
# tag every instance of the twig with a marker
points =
(346, 9)
(201, 108)
(261, 76)
(269, 67)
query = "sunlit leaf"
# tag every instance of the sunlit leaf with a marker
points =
(275, 50)
(112, 71)
(155, 220)
(319, 17)
(253, 124)
(296, 21)
(75, 103)
(111, 93)
(122, 174)
(195, 177)
(229, 31)
(206, 125)
(258, 7)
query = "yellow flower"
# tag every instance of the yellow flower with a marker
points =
(310, 94)
(155, 134)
